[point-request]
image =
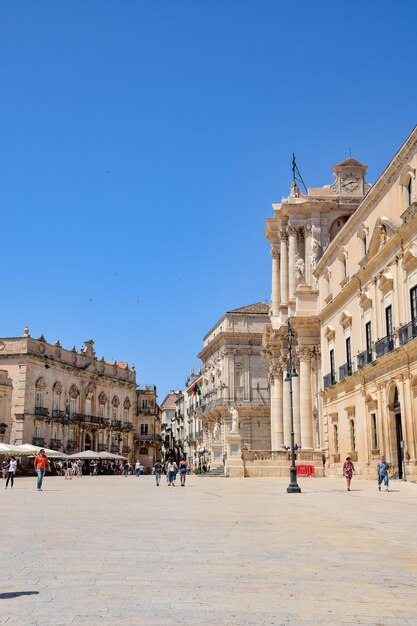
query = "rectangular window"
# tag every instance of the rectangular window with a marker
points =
(114, 413)
(55, 402)
(388, 319)
(332, 370)
(125, 415)
(37, 432)
(374, 431)
(71, 435)
(55, 434)
(88, 407)
(413, 302)
(144, 429)
(368, 336)
(39, 399)
(144, 404)
(348, 353)
(352, 436)
(72, 406)
(101, 410)
(100, 435)
(335, 439)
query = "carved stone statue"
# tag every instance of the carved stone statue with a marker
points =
(315, 249)
(216, 433)
(299, 270)
(382, 235)
(235, 419)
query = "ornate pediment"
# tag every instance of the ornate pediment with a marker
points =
(383, 231)
(329, 333)
(386, 280)
(346, 319)
(365, 299)
(410, 257)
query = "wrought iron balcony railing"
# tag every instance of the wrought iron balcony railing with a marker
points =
(101, 447)
(329, 380)
(57, 414)
(72, 445)
(116, 424)
(114, 449)
(38, 441)
(384, 345)
(408, 332)
(126, 449)
(364, 358)
(41, 411)
(55, 444)
(345, 370)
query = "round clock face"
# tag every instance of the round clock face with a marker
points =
(350, 182)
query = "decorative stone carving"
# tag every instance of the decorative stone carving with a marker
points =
(299, 268)
(382, 235)
(217, 433)
(315, 251)
(274, 252)
(235, 419)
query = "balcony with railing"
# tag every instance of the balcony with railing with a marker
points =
(116, 424)
(72, 445)
(126, 449)
(57, 414)
(364, 358)
(114, 449)
(101, 447)
(345, 370)
(408, 332)
(384, 345)
(90, 419)
(147, 437)
(38, 441)
(329, 380)
(127, 426)
(227, 402)
(55, 444)
(41, 411)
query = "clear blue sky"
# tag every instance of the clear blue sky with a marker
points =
(143, 142)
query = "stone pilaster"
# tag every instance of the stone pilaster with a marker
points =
(292, 249)
(276, 282)
(306, 405)
(283, 267)
(277, 438)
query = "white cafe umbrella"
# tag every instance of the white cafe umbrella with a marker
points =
(8, 448)
(86, 454)
(110, 456)
(33, 450)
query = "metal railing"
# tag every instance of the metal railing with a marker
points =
(126, 449)
(384, 345)
(41, 411)
(227, 402)
(345, 370)
(57, 414)
(55, 444)
(72, 445)
(141, 437)
(38, 441)
(114, 449)
(101, 447)
(329, 380)
(364, 358)
(408, 332)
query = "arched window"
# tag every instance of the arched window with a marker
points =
(407, 180)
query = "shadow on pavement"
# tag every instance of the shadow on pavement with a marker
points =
(16, 594)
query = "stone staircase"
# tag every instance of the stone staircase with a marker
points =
(216, 471)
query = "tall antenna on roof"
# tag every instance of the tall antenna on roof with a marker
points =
(296, 175)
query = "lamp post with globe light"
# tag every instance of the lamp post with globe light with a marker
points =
(293, 487)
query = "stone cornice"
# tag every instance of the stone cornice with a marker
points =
(384, 181)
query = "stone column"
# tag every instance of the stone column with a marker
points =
(277, 439)
(296, 403)
(292, 249)
(306, 405)
(283, 267)
(276, 286)
(286, 410)
(307, 253)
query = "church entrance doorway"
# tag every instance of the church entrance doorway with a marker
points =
(398, 434)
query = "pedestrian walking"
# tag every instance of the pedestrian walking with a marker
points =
(125, 468)
(4, 468)
(348, 471)
(157, 472)
(68, 469)
(137, 468)
(172, 472)
(11, 471)
(41, 464)
(382, 469)
(183, 470)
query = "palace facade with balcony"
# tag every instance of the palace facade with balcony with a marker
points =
(68, 400)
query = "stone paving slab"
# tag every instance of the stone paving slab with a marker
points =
(232, 552)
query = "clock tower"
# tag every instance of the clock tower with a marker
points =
(350, 178)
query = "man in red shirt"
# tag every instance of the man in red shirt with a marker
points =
(41, 463)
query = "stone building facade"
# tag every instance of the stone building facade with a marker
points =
(147, 436)
(344, 270)
(367, 280)
(6, 389)
(68, 400)
(233, 374)
(301, 229)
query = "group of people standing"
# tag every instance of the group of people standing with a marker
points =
(171, 469)
(382, 471)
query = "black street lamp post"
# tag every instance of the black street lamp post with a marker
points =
(293, 487)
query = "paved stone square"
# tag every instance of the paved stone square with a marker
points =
(224, 552)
